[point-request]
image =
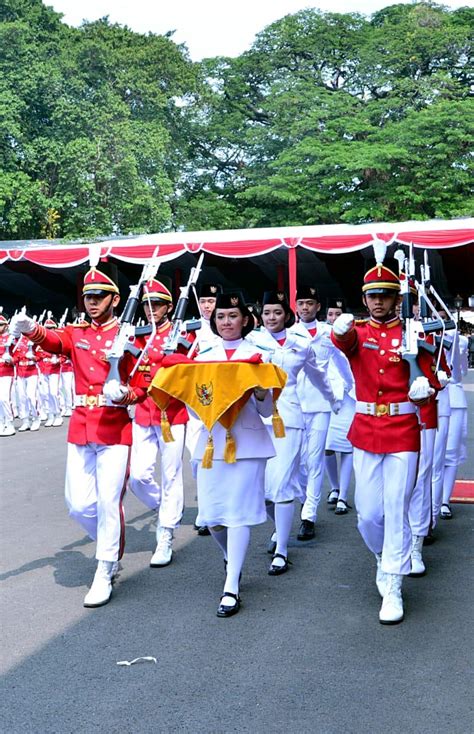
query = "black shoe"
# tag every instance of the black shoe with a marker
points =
(445, 512)
(306, 531)
(275, 570)
(430, 538)
(342, 508)
(203, 530)
(333, 496)
(225, 611)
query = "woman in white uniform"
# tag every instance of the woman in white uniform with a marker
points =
(291, 352)
(231, 496)
(342, 382)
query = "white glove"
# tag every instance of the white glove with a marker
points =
(443, 378)
(21, 324)
(7, 359)
(336, 406)
(114, 391)
(343, 324)
(420, 389)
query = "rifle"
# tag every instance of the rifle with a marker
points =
(122, 342)
(412, 339)
(174, 339)
(62, 320)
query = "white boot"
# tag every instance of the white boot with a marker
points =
(101, 589)
(49, 421)
(391, 611)
(164, 551)
(25, 425)
(35, 424)
(381, 578)
(58, 421)
(8, 429)
(418, 568)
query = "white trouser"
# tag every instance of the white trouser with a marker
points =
(49, 391)
(6, 413)
(27, 397)
(169, 499)
(420, 503)
(455, 450)
(384, 485)
(437, 479)
(96, 477)
(312, 461)
(67, 385)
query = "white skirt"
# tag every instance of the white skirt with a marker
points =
(232, 494)
(339, 425)
(282, 472)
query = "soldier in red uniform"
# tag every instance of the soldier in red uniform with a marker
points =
(50, 371)
(7, 373)
(27, 377)
(100, 430)
(385, 433)
(151, 430)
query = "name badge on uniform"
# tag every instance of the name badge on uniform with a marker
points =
(369, 345)
(83, 345)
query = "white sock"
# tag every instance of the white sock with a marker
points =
(220, 536)
(270, 508)
(345, 477)
(330, 462)
(448, 482)
(283, 521)
(237, 544)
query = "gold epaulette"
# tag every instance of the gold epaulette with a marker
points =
(83, 325)
(360, 322)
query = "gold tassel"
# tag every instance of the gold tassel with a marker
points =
(278, 425)
(166, 428)
(208, 454)
(230, 448)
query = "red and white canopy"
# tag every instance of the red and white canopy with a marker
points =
(240, 243)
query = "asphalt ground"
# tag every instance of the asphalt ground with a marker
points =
(305, 654)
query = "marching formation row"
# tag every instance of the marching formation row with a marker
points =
(353, 395)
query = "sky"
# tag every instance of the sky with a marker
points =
(209, 27)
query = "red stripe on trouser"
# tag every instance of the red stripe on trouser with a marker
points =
(122, 515)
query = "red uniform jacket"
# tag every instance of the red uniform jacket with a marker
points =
(86, 347)
(147, 413)
(381, 376)
(25, 358)
(48, 365)
(6, 368)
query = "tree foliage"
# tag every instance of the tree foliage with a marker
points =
(327, 118)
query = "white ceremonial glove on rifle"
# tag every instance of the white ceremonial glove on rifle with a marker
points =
(443, 378)
(336, 406)
(114, 391)
(343, 324)
(21, 324)
(7, 359)
(420, 390)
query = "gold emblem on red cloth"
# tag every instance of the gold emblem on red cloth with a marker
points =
(205, 393)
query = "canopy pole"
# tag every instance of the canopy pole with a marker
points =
(292, 270)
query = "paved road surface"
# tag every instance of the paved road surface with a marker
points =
(306, 653)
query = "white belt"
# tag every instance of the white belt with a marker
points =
(94, 401)
(379, 409)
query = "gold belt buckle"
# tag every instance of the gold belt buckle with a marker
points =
(381, 409)
(91, 401)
